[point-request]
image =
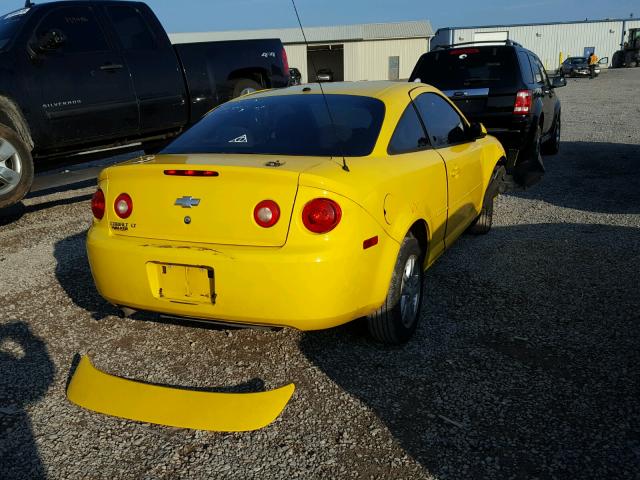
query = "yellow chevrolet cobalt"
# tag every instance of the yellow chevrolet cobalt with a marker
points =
(293, 208)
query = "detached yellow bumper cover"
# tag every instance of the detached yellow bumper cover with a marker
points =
(95, 390)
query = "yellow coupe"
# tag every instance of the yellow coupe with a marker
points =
(294, 208)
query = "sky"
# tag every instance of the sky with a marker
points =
(208, 15)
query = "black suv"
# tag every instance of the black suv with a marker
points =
(504, 86)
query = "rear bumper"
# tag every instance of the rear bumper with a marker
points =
(516, 136)
(304, 288)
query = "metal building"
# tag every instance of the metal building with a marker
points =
(552, 42)
(373, 51)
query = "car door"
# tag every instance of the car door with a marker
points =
(84, 90)
(419, 179)
(154, 67)
(447, 131)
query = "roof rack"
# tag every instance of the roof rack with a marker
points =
(506, 42)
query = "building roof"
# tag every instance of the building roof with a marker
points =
(337, 33)
(507, 25)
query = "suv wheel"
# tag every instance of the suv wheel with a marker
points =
(552, 146)
(16, 167)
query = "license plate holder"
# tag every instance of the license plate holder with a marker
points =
(182, 283)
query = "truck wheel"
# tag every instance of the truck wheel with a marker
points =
(552, 146)
(617, 60)
(16, 167)
(244, 86)
(396, 320)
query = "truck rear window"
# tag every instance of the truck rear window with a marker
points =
(468, 67)
(287, 125)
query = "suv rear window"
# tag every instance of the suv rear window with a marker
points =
(468, 67)
(287, 125)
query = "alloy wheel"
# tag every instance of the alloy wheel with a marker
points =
(410, 291)
(10, 167)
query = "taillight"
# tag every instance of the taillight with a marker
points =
(123, 205)
(285, 62)
(191, 173)
(98, 204)
(461, 51)
(321, 215)
(267, 213)
(523, 102)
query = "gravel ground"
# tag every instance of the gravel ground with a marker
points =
(525, 364)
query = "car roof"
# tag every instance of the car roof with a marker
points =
(376, 89)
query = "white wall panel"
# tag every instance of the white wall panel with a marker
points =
(369, 60)
(297, 57)
(548, 41)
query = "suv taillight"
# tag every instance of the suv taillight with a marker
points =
(285, 62)
(523, 102)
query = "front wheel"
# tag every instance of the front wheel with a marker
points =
(396, 320)
(16, 167)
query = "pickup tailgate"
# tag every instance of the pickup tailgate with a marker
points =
(170, 204)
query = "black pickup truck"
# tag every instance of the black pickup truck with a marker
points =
(78, 76)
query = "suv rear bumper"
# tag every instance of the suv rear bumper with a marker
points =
(516, 136)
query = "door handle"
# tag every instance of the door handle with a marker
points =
(111, 66)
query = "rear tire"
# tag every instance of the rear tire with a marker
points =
(396, 320)
(244, 86)
(552, 146)
(16, 167)
(529, 168)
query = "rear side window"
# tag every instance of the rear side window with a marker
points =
(79, 28)
(525, 67)
(537, 72)
(444, 125)
(132, 29)
(287, 125)
(409, 134)
(468, 67)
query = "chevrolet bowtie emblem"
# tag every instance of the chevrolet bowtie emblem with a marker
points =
(187, 202)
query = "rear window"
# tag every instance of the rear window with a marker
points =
(468, 67)
(287, 125)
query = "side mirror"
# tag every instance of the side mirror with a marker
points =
(50, 41)
(603, 61)
(476, 130)
(559, 81)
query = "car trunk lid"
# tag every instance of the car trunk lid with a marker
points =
(213, 204)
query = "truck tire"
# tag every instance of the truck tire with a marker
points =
(244, 86)
(629, 59)
(617, 61)
(16, 167)
(396, 320)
